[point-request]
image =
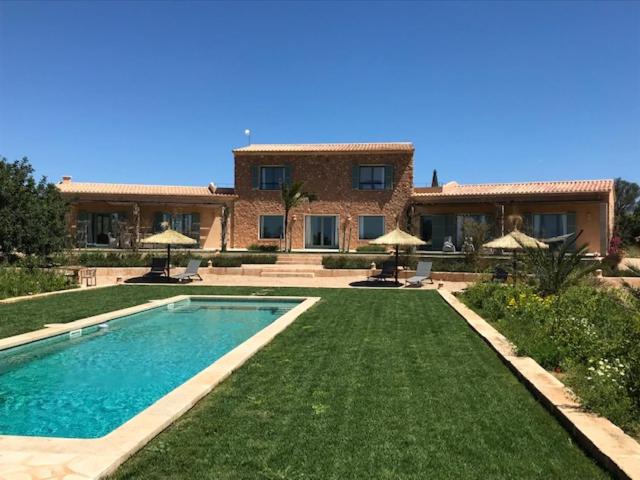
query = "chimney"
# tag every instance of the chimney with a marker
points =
(66, 179)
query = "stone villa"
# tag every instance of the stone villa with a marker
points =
(363, 190)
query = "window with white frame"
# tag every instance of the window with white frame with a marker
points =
(370, 227)
(271, 226)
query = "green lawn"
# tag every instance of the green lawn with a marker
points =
(367, 384)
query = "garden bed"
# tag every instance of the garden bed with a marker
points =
(589, 334)
(16, 282)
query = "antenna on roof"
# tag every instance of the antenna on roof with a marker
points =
(247, 132)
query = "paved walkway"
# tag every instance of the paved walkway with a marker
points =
(322, 282)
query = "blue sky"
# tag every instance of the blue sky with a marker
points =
(146, 92)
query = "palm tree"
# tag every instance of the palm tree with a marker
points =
(292, 196)
(556, 269)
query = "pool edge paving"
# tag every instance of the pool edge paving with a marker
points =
(69, 458)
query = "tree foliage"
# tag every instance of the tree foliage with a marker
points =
(434, 179)
(627, 194)
(292, 195)
(556, 269)
(627, 210)
(32, 213)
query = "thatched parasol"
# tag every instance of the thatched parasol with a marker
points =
(169, 237)
(396, 238)
(515, 241)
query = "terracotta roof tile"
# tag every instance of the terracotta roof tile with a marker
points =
(131, 189)
(327, 147)
(454, 189)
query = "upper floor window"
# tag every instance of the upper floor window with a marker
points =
(373, 177)
(272, 178)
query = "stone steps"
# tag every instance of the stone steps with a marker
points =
(285, 273)
(300, 259)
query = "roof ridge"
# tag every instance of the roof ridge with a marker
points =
(333, 143)
(134, 184)
(530, 182)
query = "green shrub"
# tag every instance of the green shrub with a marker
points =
(15, 282)
(455, 264)
(592, 334)
(371, 249)
(254, 247)
(351, 261)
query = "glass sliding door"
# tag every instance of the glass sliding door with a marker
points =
(321, 231)
(436, 228)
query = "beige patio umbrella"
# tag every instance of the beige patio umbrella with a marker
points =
(169, 237)
(396, 238)
(515, 241)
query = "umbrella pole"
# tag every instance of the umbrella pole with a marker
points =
(515, 267)
(397, 264)
(168, 260)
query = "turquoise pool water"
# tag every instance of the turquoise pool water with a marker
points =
(85, 387)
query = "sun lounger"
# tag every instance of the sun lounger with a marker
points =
(158, 266)
(423, 272)
(388, 271)
(191, 271)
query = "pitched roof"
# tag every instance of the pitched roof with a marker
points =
(145, 190)
(454, 189)
(326, 147)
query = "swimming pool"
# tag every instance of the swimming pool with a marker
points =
(85, 384)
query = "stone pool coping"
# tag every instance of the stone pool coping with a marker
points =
(615, 450)
(81, 459)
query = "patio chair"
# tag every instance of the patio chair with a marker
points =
(388, 270)
(423, 272)
(158, 266)
(191, 271)
(499, 275)
(448, 245)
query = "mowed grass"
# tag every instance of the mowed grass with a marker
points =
(368, 384)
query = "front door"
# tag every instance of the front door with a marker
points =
(321, 231)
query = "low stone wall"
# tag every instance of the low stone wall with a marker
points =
(256, 270)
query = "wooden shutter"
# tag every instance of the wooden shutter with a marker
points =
(438, 231)
(255, 177)
(83, 229)
(571, 222)
(527, 224)
(157, 222)
(355, 177)
(388, 177)
(287, 175)
(451, 227)
(195, 227)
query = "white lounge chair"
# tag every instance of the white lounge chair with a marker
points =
(191, 271)
(423, 272)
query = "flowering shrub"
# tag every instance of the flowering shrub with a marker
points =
(592, 334)
(15, 282)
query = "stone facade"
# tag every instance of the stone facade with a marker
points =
(330, 172)
(329, 177)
